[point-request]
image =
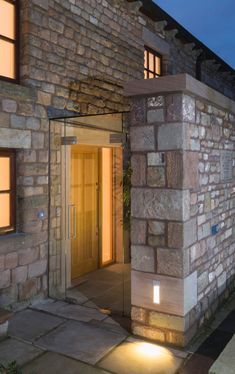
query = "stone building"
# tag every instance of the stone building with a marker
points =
(84, 88)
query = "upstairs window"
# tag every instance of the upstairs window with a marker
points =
(7, 191)
(8, 39)
(152, 64)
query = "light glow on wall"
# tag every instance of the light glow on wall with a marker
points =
(156, 292)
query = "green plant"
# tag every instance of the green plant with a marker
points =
(11, 368)
(126, 183)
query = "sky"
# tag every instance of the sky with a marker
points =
(211, 21)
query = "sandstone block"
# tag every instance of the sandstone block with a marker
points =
(138, 165)
(173, 136)
(142, 138)
(156, 240)
(155, 116)
(182, 235)
(156, 159)
(19, 274)
(156, 176)
(12, 138)
(160, 204)
(172, 262)
(138, 111)
(148, 332)
(5, 279)
(138, 231)
(139, 314)
(155, 102)
(156, 227)
(182, 169)
(9, 106)
(27, 289)
(37, 268)
(11, 260)
(166, 321)
(143, 258)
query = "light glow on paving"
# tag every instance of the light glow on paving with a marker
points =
(151, 350)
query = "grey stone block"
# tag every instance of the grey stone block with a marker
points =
(142, 138)
(173, 136)
(143, 258)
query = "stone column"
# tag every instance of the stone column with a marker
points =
(164, 172)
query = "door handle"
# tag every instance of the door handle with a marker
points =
(74, 222)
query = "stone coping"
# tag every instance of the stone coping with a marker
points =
(178, 83)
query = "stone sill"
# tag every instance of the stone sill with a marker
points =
(16, 91)
(178, 83)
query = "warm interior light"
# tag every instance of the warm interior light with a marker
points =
(156, 292)
(107, 205)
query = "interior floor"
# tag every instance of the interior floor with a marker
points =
(108, 289)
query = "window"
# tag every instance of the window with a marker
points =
(152, 64)
(8, 39)
(7, 191)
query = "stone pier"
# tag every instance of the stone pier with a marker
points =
(183, 246)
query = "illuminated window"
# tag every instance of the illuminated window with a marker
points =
(8, 39)
(7, 191)
(152, 64)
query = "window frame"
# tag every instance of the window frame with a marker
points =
(146, 69)
(15, 42)
(12, 191)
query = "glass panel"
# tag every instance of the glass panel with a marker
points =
(158, 65)
(107, 205)
(7, 17)
(107, 122)
(7, 59)
(5, 210)
(151, 62)
(145, 74)
(4, 173)
(151, 75)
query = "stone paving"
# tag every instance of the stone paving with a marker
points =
(56, 336)
(59, 337)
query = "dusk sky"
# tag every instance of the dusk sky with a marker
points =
(211, 21)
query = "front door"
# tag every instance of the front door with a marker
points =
(83, 210)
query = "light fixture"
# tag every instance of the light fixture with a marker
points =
(156, 292)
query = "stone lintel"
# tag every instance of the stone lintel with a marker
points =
(177, 296)
(178, 83)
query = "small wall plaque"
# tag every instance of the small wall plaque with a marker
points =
(226, 164)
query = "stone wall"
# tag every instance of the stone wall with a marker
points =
(78, 63)
(74, 56)
(183, 205)
(23, 256)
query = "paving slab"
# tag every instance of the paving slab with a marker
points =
(72, 311)
(31, 324)
(81, 341)
(15, 350)
(55, 363)
(225, 364)
(49, 306)
(141, 358)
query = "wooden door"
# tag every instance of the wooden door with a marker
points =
(83, 211)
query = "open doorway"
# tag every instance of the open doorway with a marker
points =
(88, 204)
